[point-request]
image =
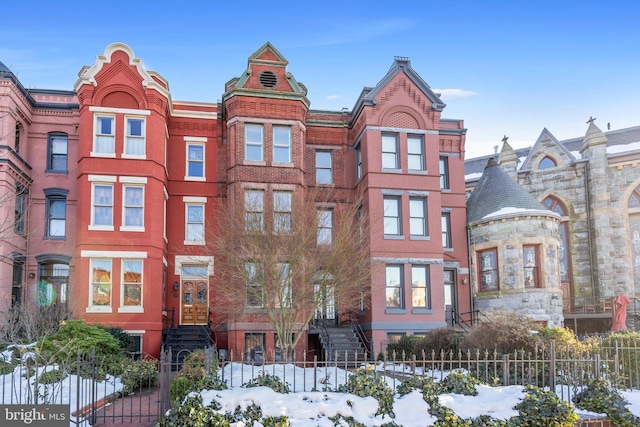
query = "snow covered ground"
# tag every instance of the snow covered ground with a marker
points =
(313, 408)
(303, 407)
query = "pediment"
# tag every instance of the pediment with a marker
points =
(547, 149)
(121, 58)
(266, 75)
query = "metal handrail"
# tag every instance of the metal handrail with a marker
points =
(357, 328)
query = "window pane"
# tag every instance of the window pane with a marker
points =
(57, 228)
(132, 282)
(417, 217)
(391, 216)
(393, 286)
(389, 152)
(134, 127)
(194, 213)
(103, 205)
(101, 282)
(415, 157)
(105, 125)
(196, 152)
(59, 145)
(419, 286)
(195, 272)
(133, 196)
(253, 142)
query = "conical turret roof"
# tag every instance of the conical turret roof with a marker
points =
(497, 191)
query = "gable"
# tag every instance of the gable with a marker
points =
(546, 149)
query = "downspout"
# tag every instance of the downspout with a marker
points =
(471, 271)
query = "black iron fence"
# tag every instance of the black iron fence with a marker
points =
(100, 394)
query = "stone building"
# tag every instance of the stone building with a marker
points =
(593, 184)
(513, 244)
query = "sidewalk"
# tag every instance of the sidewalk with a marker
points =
(141, 409)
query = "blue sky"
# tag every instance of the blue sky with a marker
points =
(504, 67)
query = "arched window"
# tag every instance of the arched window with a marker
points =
(53, 279)
(564, 250)
(633, 206)
(547, 163)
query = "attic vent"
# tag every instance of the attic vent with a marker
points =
(268, 79)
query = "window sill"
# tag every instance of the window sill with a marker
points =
(393, 237)
(101, 227)
(134, 156)
(56, 171)
(385, 170)
(132, 228)
(130, 309)
(419, 238)
(392, 310)
(55, 238)
(417, 172)
(421, 310)
(445, 190)
(97, 309)
(447, 249)
(194, 243)
(194, 178)
(282, 165)
(254, 162)
(110, 155)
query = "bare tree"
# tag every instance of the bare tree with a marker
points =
(286, 263)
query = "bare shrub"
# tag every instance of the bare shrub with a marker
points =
(26, 322)
(437, 342)
(505, 332)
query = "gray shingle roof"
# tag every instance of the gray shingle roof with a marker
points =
(615, 137)
(496, 190)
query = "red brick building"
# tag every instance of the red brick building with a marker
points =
(152, 173)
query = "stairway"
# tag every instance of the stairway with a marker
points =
(184, 339)
(341, 344)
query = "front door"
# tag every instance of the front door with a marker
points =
(326, 309)
(195, 302)
(450, 304)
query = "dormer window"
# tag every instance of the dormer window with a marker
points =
(268, 79)
(547, 163)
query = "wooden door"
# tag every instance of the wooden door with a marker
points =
(195, 302)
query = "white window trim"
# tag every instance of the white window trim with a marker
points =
(94, 182)
(94, 153)
(193, 260)
(126, 308)
(99, 308)
(135, 228)
(273, 144)
(186, 219)
(186, 160)
(262, 143)
(113, 254)
(111, 110)
(143, 137)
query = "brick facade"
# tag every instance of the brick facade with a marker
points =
(147, 175)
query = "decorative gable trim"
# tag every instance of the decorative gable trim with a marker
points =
(538, 149)
(87, 75)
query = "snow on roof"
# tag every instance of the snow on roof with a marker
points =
(623, 148)
(512, 210)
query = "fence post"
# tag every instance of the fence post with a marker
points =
(505, 370)
(92, 418)
(552, 366)
(165, 377)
